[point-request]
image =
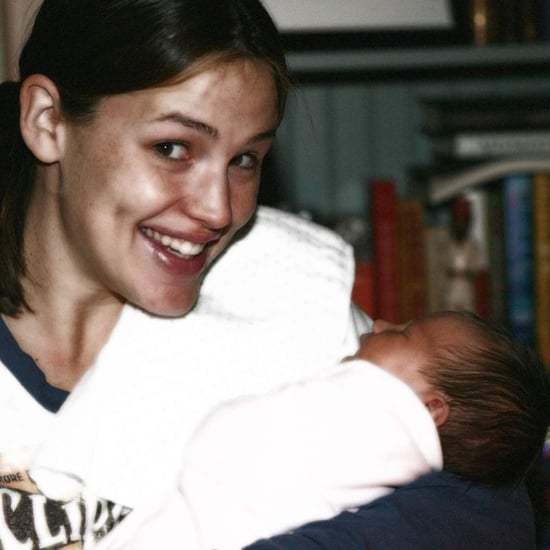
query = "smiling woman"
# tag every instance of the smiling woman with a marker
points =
(170, 191)
(139, 285)
(132, 148)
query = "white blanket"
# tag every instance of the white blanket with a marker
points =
(263, 465)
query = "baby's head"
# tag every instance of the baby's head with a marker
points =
(488, 394)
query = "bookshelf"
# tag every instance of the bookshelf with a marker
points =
(355, 114)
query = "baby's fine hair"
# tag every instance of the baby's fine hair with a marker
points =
(498, 391)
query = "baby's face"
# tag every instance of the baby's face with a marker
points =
(405, 349)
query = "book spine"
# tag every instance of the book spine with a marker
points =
(436, 245)
(384, 226)
(442, 187)
(485, 115)
(518, 233)
(541, 222)
(497, 269)
(411, 259)
(484, 22)
(480, 145)
(363, 287)
(479, 233)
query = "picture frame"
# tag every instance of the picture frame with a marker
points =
(325, 24)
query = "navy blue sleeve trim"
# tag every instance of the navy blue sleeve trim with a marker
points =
(23, 367)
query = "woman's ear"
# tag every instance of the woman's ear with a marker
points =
(438, 407)
(40, 119)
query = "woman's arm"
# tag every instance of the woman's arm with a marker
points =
(438, 510)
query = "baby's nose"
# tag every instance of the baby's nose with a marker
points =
(380, 325)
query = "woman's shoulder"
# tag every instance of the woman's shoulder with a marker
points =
(283, 245)
(291, 229)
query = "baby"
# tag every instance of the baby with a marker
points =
(449, 390)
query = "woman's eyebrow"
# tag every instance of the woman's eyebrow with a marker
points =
(269, 134)
(189, 122)
(209, 130)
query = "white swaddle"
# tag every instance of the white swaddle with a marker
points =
(264, 464)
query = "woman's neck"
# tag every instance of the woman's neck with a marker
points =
(70, 314)
(64, 342)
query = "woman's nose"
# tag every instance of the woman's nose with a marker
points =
(210, 199)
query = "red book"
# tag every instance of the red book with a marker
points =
(385, 231)
(482, 284)
(411, 259)
(363, 287)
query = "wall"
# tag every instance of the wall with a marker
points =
(15, 17)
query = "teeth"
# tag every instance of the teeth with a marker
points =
(183, 248)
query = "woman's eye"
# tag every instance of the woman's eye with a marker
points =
(247, 161)
(171, 150)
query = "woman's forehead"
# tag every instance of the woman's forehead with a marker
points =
(211, 93)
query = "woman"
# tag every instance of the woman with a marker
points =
(131, 156)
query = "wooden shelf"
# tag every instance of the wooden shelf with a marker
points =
(413, 63)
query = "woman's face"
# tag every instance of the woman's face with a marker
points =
(154, 188)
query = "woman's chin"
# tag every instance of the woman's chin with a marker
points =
(169, 307)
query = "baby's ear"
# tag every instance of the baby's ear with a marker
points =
(438, 407)
(40, 119)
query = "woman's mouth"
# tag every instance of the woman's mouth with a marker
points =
(178, 247)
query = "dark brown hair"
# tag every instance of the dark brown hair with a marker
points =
(498, 391)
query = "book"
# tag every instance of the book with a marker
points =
(436, 244)
(384, 228)
(440, 116)
(529, 14)
(411, 259)
(519, 245)
(442, 186)
(497, 268)
(363, 287)
(354, 229)
(541, 222)
(501, 21)
(479, 234)
(483, 144)
(484, 22)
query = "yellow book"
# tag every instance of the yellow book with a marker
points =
(541, 220)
